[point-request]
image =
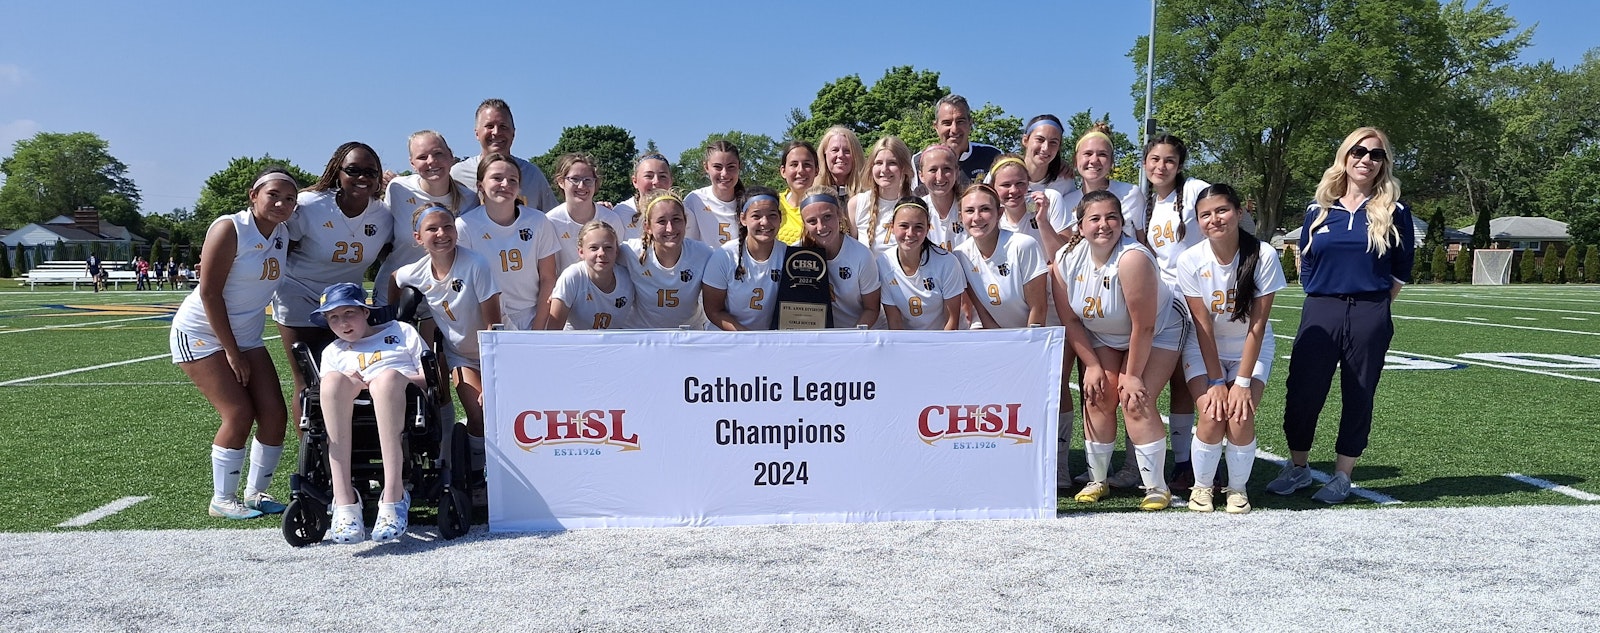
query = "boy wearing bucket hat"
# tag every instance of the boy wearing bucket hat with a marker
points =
(381, 360)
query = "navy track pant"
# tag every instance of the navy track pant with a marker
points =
(1351, 332)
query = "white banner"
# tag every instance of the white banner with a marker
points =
(680, 428)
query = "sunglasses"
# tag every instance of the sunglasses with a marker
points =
(1377, 155)
(358, 172)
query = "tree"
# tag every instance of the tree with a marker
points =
(22, 260)
(867, 110)
(1591, 264)
(1248, 82)
(758, 157)
(1571, 192)
(1291, 267)
(611, 146)
(1422, 266)
(228, 191)
(992, 126)
(158, 251)
(1569, 265)
(1441, 265)
(1464, 266)
(51, 174)
(1528, 272)
(1550, 268)
(5, 263)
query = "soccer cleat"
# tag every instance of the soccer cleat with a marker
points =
(231, 508)
(1290, 479)
(1092, 492)
(1238, 502)
(1128, 477)
(392, 520)
(1182, 477)
(264, 503)
(347, 527)
(1335, 491)
(1156, 499)
(1200, 499)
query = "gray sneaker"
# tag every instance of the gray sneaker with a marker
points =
(1335, 491)
(1290, 479)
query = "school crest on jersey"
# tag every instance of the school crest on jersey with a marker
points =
(1034, 222)
(525, 234)
(455, 285)
(622, 302)
(277, 243)
(391, 340)
(773, 273)
(1105, 282)
(370, 230)
(686, 276)
(957, 228)
(1003, 269)
(927, 283)
(844, 272)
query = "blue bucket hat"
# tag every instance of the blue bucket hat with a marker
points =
(341, 295)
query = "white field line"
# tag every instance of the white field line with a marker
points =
(101, 384)
(101, 512)
(1436, 320)
(69, 372)
(1322, 477)
(1465, 361)
(75, 325)
(1499, 307)
(1554, 487)
(1525, 318)
(1575, 318)
(1476, 318)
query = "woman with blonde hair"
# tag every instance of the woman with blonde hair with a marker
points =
(872, 210)
(1093, 159)
(843, 166)
(1357, 248)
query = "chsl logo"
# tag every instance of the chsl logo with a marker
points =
(533, 429)
(955, 421)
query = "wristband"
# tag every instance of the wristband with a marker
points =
(1215, 382)
(1243, 381)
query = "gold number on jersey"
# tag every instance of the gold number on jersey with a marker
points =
(602, 321)
(1093, 308)
(722, 231)
(348, 252)
(1222, 304)
(510, 260)
(756, 295)
(994, 295)
(365, 360)
(269, 269)
(916, 306)
(667, 298)
(1160, 235)
(447, 312)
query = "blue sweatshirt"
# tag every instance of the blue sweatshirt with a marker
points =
(1335, 259)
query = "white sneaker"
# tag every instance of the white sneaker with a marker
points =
(392, 519)
(347, 526)
(231, 508)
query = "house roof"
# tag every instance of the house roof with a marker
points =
(1526, 228)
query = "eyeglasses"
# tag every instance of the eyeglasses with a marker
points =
(579, 182)
(358, 172)
(1377, 155)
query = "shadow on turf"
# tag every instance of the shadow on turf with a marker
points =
(1470, 486)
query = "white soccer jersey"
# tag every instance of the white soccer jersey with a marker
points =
(667, 297)
(920, 296)
(1061, 185)
(633, 222)
(718, 221)
(875, 234)
(512, 253)
(253, 278)
(1162, 233)
(405, 197)
(946, 231)
(852, 274)
(1096, 293)
(330, 248)
(1201, 275)
(588, 307)
(998, 281)
(456, 301)
(395, 346)
(535, 186)
(750, 299)
(566, 231)
(1133, 212)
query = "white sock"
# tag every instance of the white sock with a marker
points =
(475, 448)
(225, 466)
(1152, 464)
(1240, 460)
(1063, 447)
(1206, 456)
(1181, 431)
(263, 462)
(1098, 454)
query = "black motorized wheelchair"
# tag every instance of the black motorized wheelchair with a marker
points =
(436, 462)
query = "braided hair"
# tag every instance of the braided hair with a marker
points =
(1093, 197)
(1150, 192)
(655, 197)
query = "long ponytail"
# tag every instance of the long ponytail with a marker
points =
(1247, 260)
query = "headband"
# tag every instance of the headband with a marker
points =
(1040, 122)
(1009, 160)
(416, 221)
(663, 195)
(271, 176)
(819, 197)
(1091, 134)
(912, 205)
(755, 199)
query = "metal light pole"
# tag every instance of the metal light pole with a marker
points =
(1149, 97)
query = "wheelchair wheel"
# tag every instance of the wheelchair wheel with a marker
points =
(455, 513)
(459, 456)
(304, 522)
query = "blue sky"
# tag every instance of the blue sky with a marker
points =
(179, 88)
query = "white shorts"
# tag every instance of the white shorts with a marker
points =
(1169, 338)
(188, 346)
(1194, 365)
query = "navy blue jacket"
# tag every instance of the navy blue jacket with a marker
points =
(1335, 259)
